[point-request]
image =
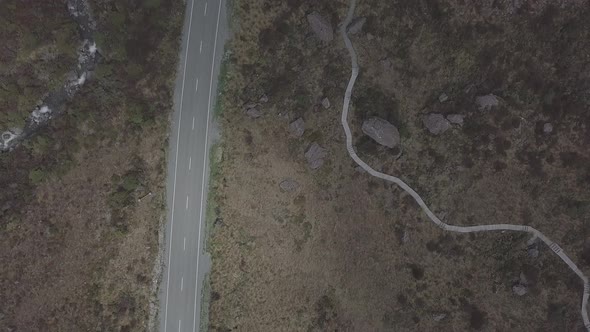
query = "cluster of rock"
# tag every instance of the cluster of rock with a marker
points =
(252, 109)
(520, 287)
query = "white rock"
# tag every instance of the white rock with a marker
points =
(443, 97)
(326, 103)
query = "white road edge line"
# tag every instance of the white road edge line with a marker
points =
(179, 325)
(205, 13)
(188, 40)
(190, 162)
(205, 166)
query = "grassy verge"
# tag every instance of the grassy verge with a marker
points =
(212, 210)
(222, 84)
(205, 300)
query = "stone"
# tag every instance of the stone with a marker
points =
(455, 118)
(443, 97)
(321, 27)
(370, 36)
(436, 123)
(356, 25)
(405, 237)
(519, 289)
(487, 102)
(548, 128)
(326, 103)
(289, 185)
(264, 99)
(381, 132)
(297, 127)
(438, 317)
(253, 112)
(315, 155)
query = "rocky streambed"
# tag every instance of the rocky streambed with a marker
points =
(53, 102)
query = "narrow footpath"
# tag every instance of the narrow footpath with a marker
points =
(459, 229)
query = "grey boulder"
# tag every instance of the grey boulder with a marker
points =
(381, 132)
(487, 102)
(321, 27)
(297, 127)
(436, 123)
(315, 156)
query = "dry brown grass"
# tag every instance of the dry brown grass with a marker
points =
(77, 249)
(330, 256)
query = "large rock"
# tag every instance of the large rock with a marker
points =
(381, 131)
(436, 123)
(321, 27)
(297, 127)
(487, 102)
(315, 156)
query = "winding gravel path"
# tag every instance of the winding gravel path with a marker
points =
(459, 229)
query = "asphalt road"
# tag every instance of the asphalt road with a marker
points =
(205, 30)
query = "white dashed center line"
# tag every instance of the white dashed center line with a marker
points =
(187, 202)
(193, 123)
(179, 325)
(181, 283)
(190, 162)
(201, 47)
(197, 86)
(205, 13)
(184, 244)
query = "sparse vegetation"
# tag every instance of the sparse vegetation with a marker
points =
(337, 251)
(60, 201)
